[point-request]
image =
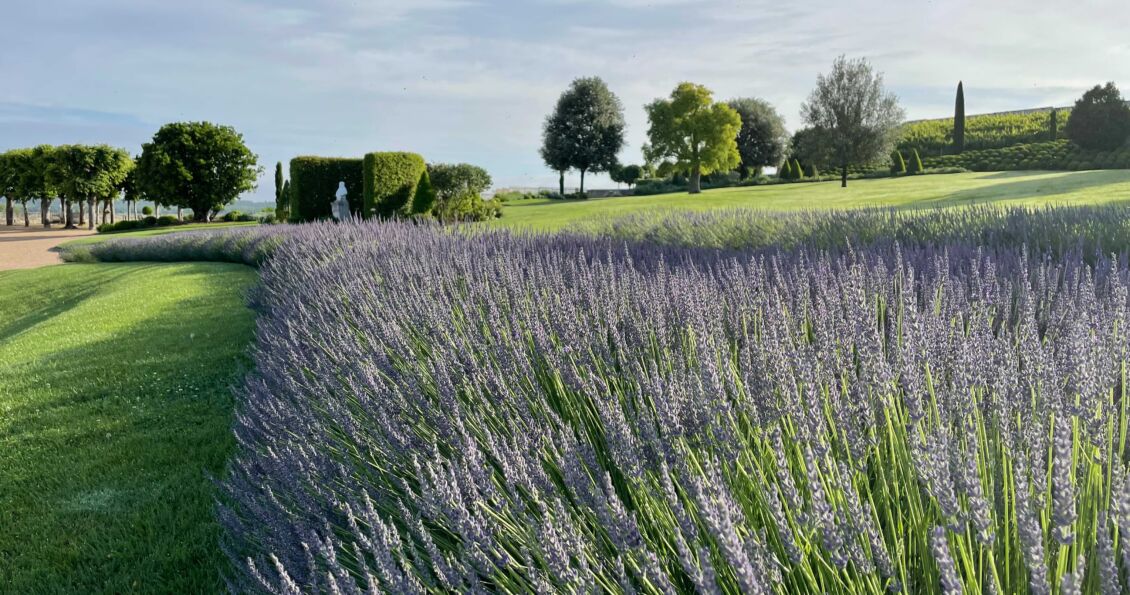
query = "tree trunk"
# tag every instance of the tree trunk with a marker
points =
(81, 212)
(843, 176)
(45, 212)
(90, 207)
(112, 213)
(582, 183)
(27, 222)
(9, 211)
(179, 218)
(561, 182)
(696, 180)
(69, 215)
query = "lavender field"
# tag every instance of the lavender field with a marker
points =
(923, 403)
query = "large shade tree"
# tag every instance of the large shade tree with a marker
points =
(762, 140)
(1100, 120)
(851, 115)
(585, 131)
(196, 165)
(88, 174)
(693, 133)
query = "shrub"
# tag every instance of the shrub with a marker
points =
(167, 220)
(150, 221)
(147, 210)
(232, 216)
(898, 164)
(314, 182)
(390, 181)
(915, 164)
(798, 171)
(786, 172)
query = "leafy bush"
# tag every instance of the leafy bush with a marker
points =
(390, 182)
(147, 210)
(163, 221)
(167, 220)
(915, 166)
(314, 182)
(898, 164)
(232, 216)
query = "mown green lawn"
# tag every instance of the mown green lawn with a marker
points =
(1004, 188)
(115, 407)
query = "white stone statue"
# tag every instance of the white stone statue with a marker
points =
(341, 205)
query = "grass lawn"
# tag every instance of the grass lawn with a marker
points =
(153, 231)
(1004, 188)
(115, 405)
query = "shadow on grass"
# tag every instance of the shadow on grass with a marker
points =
(1043, 187)
(107, 446)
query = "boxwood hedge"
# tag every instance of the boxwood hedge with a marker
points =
(390, 182)
(1058, 155)
(313, 186)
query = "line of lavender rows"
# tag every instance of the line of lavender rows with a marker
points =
(1087, 230)
(442, 412)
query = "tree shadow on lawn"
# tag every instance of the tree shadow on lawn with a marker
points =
(108, 457)
(58, 300)
(1044, 187)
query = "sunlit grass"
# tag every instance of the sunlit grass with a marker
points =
(114, 409)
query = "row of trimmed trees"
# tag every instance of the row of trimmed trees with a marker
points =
(850, 119)
(86, 176)
(187, 165)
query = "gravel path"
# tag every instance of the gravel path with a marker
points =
(30, 247)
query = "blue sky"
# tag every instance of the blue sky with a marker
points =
(472, 80)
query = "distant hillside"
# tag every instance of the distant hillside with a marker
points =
(934, 137)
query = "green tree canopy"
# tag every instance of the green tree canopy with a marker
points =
(459, 188)
(852, 116)
(585, 131)
(88, 173)
(762, 140)
(1100, 120)
(197, 165)
(699, 135)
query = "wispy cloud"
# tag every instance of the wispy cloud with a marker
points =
(472, 80)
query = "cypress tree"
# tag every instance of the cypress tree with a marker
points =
(898, 164)
(279, 183)
(959, 120)
(1055, 124)
(798, 171)
(812, 171)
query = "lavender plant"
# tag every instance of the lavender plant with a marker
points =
(436, 412)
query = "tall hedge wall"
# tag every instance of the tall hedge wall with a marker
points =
(390, 181)
(313, 186)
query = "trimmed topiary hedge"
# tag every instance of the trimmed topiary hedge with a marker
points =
(390, 182)
(1058, 155)
(313, 186)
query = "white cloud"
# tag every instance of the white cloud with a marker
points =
(471, 81)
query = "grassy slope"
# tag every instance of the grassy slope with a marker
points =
(114, 405)
(1007, 188)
